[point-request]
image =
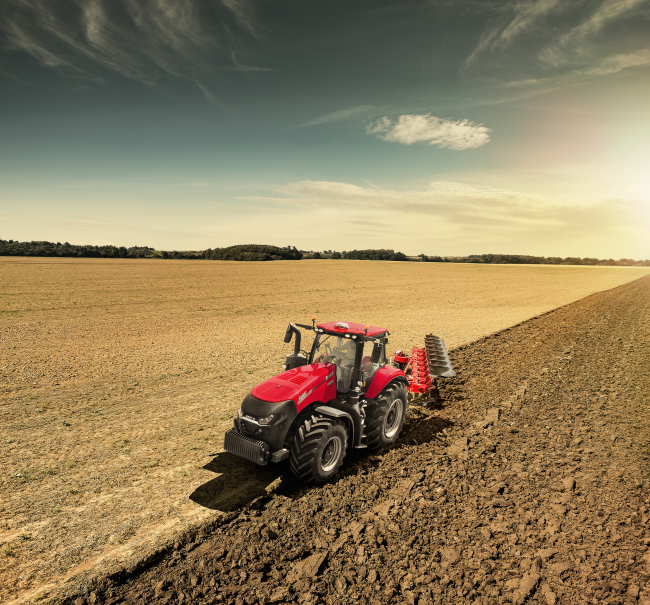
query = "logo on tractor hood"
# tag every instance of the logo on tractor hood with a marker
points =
(302, 397)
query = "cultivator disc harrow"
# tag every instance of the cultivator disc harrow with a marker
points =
(424, 365)
(438, 357)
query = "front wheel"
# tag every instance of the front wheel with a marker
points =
(318, 449)
(388, 419)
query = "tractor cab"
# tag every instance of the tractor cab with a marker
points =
(356, 351)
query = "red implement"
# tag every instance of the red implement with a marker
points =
(419, 380)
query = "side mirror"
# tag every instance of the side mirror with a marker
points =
(288, 334)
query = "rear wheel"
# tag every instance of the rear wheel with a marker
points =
(388, 419)
(318, 449)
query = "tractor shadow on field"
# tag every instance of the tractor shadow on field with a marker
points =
(239, 482)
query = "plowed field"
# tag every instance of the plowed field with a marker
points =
(527, 483)
(119, 378)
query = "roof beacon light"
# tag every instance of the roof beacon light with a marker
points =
(313, 322)
(367, 328)
(341, 324)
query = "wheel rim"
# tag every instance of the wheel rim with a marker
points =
(331, 454)
(393, 418)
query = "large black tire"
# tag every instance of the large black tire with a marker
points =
(387, 421)
(318, 449)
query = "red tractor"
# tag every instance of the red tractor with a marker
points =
(342, 394)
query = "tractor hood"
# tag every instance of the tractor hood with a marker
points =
(297, 384)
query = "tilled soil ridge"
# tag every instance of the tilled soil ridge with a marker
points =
(527, 482)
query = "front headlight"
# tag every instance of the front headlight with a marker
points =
(239, 413)
(266, 420)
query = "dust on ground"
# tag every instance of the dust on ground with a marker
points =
(118, 379)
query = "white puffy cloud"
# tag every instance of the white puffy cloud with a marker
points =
(413, 128)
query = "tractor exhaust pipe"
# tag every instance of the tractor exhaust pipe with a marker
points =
(291, 330)
(295, 360)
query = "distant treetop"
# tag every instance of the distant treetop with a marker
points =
(375, 255)
(253, 252)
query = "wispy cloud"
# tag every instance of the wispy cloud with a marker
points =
(607, 66)
(485, 212)
(342, 114)
(144, 40)
(540, 46)
(241, 67)
(244, 12)
(94, 218)
(441, 198)
(577, 44)
(499, 35)
(409, 129)
(208, 95)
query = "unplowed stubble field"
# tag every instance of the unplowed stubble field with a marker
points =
(119, 378)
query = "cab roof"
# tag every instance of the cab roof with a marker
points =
(352, 328)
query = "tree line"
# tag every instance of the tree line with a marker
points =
(14, 248)
(381, 254)
(259, 252)
(522, 259)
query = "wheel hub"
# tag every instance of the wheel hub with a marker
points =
(331, 453)
(392, 418)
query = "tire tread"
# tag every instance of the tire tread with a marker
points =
(383, 400)
(305, 442)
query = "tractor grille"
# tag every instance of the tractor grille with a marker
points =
(245, 447)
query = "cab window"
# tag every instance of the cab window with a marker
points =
(374, 357)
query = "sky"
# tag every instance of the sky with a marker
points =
(449, 127)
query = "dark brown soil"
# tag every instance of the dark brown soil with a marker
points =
(527, 482)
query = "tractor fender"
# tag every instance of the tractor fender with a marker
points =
(372, 402)
(382, 378)
(327, 410)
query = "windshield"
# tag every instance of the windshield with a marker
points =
(339, 351)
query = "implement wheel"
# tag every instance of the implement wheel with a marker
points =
(388, 419)
(318, 449)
